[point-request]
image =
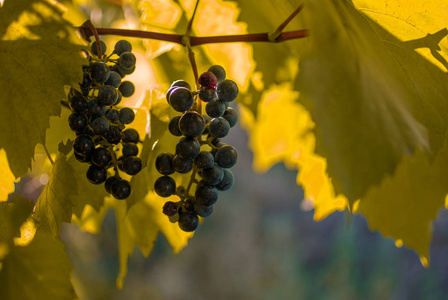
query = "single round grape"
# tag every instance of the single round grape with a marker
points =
(107, 95)
(226, 182)
(132, 165)
(182, 165)
(99, 72)
(204, 160)
(96, 109)
(191, 124)
(86, 83)
(181, 99)
(215, 108)
(83, 158)
(120, 96)
(126, 88)
(127, 115)
(165, 186)
(219, 72)
(109, 182)
(187, 147)
(114, 79)
(83, 144)
(124, 71)
(164, 163)
(208, 79)
(226, 156)
(94, 48)
(127, 60)
(100, 126)
(188, 221)
(227, 90)
(231, 116)
(205, 194)
(203, 211)
(112, 115)
(169, 208)
(182, 83)
(213, 175)
(129, 149)
(121, 189)
(101, 157)
(219, 127)
(78, 103)
(173, 126)
(130, 135)
(96, 175)
(207, 95)
(78, 121)
(122, 46)
(113, 135)
(116, 69)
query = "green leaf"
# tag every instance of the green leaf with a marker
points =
(355, 90)
(38, 271)
(40, 53)
(54, 205)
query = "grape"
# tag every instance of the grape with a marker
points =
(227, 90)
(231, 116)
(127, 60)
(96, 175)
(78, 121)
(124, 71)
(121, 189)
(127, 115)
(164, 163)
(101, 157)
(83, 145)
(219, 72)
(109, 182)
(116, 69)
(78, 103)
(204, 160)
(165, 186)
(86, 83)
(129, 149)
(127, 88)
(83, 158)
(182, 165)
(99, 72)
(215, 108)
(203, 211)
(94, 48)
(219, 127)
(113, 135)
(173, 126)
(96, 109)
(132, 165)
(187, 147)
(118, 98)
(181, 99)
(107, 95)
(114, 79)
(112, 115)
(130, 135)
(188, 221)
(226, 156)
(226, 181)
(100, 126)
(182, 83)
(191, 124)
(207, 95)
(87, 131)
(170, 208)
(212, 175)
(205, 194)
(208, 79)
(122, 46)
(168, 94)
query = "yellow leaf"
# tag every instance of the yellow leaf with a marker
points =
(7, 179)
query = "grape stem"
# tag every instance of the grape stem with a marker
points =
(48, 154)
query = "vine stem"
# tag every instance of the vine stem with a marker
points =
(48, 155)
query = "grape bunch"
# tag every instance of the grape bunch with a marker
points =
(196, 131)
(99, 122)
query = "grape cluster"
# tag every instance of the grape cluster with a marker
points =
(99, 123)
(196, 131)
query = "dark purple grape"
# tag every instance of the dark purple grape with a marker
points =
(109, 182)
(127, 115)
(101, 156)
(188, 147)
(130, 135)
(165, 186)
(126, 89)
(129, 149)
(213, 175)
(96, 175)
(204, 160)
(226, 182)
(78, 121)
(132, 165)
(205, 194)
(78, 103)
(96, 109)
(203, 211)
(182, 165)
(219, 127)
(231, 116)
(107, 95)
(207, 95)
(227, 90)
(94, 48)
(121, 189)
(122, 46)
(181, 99)
(114, 79)
(181, 83)
(99, 72)
(169, 208)
(215, 108)
(112, 115)
(226, 156)
(83, 144)
(219, 72)
(191, 124)
(100, 126)
(127, 60)
(164, 163)
(113, 135)
(173, 126)
(188, 221)
(208, 80)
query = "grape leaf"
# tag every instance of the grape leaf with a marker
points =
(363, 125)
(40, 270)
(33, 31)
(7, 178)
(54, 205)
